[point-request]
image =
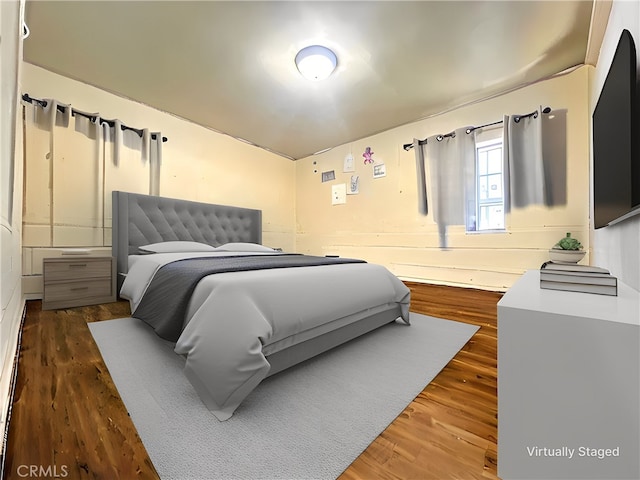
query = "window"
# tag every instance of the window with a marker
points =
(488, 211)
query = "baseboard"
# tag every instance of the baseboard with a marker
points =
(9, 393)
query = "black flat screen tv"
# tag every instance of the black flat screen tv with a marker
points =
(616, 166)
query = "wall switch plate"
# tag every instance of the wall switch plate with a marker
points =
(339, 194)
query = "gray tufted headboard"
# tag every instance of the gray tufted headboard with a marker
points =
(143, 219)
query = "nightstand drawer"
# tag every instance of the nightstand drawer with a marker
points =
(77, 269)
(82, 290)
(78, 281)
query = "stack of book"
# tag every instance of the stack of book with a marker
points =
(577, 278)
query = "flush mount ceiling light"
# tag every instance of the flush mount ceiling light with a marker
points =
(316, 62)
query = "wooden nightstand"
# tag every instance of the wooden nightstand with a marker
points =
(78, 281)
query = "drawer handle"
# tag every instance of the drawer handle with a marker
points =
(77, 265)
(79, 288)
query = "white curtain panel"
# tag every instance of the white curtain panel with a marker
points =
(64, 145)
(51, 118)
(450, 174)
(524, 161)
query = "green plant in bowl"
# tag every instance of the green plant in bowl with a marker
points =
(568, 243)
(567, 250)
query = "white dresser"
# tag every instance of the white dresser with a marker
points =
(568, 383)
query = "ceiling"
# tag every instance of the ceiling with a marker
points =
(228, 65)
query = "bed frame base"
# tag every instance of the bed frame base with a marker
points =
(302, 351)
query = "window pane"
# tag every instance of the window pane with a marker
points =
(482, 162)
(491, 217)
(484, 221)
(496, 217)
(495, 186)
(483, 193)
(495, 160)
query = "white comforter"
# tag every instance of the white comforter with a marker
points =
(235, 319)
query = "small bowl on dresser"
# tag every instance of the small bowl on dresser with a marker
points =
(566, 256)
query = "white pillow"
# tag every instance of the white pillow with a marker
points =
(176, 247)
(244, 247)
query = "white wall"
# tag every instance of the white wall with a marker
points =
(382, 223)
(617, 247)
(10, 199)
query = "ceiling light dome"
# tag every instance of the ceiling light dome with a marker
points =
(316, 62)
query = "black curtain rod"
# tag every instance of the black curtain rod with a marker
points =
(62, 109)
(516, 118)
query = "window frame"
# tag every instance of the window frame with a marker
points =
(487, 145)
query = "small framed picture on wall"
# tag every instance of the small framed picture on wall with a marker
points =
(379, 170)
(328, 176)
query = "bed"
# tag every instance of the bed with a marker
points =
(239, 311)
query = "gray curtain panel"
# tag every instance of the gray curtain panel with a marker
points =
(524, 161)
(450, 174)
(423, 206)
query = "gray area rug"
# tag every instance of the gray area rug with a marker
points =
(308, 422)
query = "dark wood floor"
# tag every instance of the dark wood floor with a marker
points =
(68, 421)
